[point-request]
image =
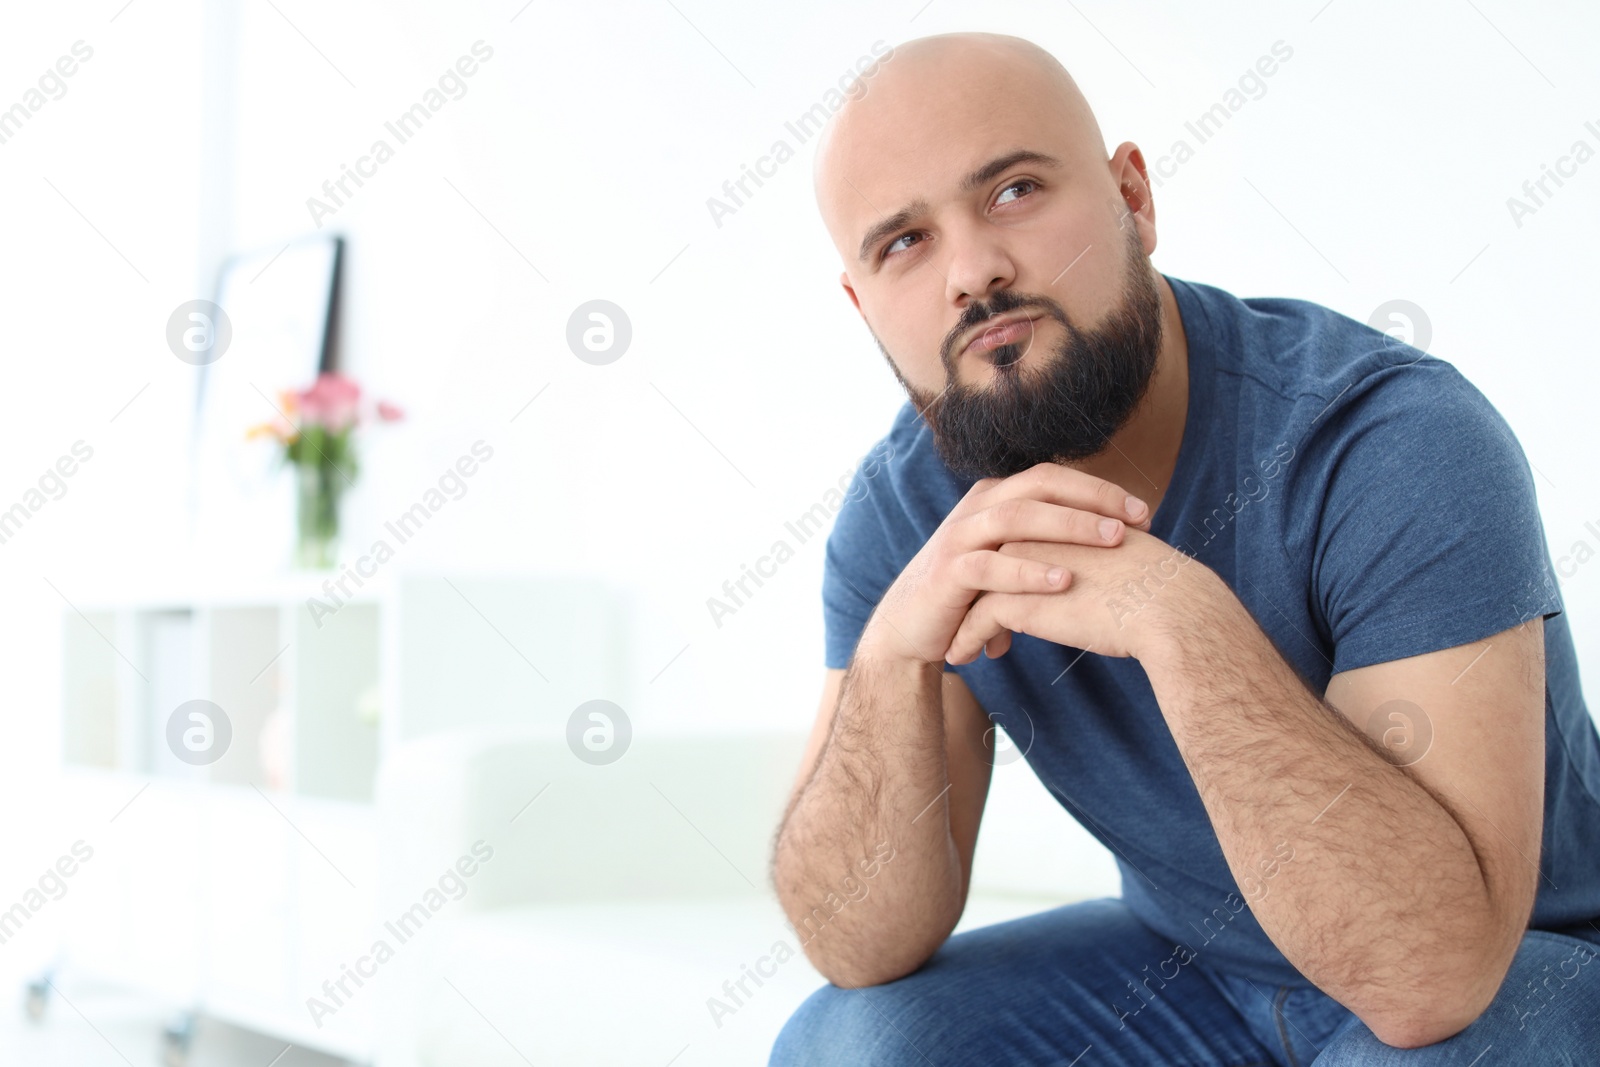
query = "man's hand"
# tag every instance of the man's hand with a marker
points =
(1048, 503)
(1118, 597)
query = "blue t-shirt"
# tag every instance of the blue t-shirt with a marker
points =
(1362, 499)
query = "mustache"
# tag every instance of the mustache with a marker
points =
(1003, 302)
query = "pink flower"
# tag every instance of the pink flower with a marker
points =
(331, 402)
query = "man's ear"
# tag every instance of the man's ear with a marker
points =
(844, 281)
(1133, 186)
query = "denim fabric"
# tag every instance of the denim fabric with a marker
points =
(1089, 985)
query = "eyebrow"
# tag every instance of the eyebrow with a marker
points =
(982, 176)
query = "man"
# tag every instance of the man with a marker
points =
(1263, 593)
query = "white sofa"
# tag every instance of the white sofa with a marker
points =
(623, 904)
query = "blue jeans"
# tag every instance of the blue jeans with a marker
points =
(1077, 985)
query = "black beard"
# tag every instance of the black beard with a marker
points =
(1061, 407)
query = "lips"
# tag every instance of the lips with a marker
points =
(999, 331)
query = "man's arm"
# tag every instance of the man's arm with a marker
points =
(875, 853)
(897, 764)
(1409, 886)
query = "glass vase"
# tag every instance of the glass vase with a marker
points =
(317, 525)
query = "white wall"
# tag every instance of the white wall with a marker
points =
(591, 141)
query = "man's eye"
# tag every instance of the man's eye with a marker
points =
(889, 250)
(1030, 183)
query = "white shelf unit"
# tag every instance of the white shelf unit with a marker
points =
(255, 661)
(240, 886)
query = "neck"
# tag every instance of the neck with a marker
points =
(1141, 455)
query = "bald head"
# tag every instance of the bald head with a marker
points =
(923, 98)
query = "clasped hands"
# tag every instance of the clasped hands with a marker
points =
(1051, 552)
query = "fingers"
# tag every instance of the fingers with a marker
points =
(998, 645)
(1066, 487)
(1026, 519)
(1049, 505)
(991, 619)
(991, 571)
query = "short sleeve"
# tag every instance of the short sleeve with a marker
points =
(859, 563)
(1429, 534)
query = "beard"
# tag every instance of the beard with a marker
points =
(1064, 405)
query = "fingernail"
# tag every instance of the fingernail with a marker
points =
(1108, 528)
(1136, 508)
(1055, 575)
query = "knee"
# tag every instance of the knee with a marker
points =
(843, 1026)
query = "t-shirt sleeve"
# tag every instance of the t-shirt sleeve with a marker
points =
(858, 563)
(1429, 535)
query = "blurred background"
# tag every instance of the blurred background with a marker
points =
(412, 732)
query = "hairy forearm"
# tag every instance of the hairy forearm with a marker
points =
(1384, 905)
(880, 783)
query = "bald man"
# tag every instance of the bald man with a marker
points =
(1262, 595)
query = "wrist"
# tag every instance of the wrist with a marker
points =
(892, 653)
(1190, 620)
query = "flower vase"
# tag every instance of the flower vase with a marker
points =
(317, 544)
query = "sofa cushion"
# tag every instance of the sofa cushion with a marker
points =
(623, 982)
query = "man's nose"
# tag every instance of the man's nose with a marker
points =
(977, 264)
